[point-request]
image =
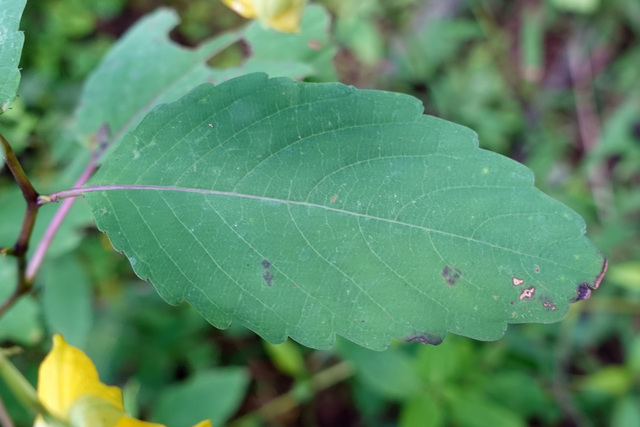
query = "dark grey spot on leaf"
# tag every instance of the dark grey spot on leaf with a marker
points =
(583, 292)
(424, 338)
(268, 277)
(451, 275)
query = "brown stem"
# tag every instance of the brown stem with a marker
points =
(5, 419)
(18, 173)
(52, 229)
(19, 250)
(560, 383)
(290, 400)
(102, 138)
(495, 37)
(589, 126)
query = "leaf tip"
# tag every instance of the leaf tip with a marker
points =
(583, 291)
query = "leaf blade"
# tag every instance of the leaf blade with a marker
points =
(349, 212)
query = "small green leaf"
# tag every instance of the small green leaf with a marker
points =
(626, 412)
(310, 210)
(472, 409)
(287, 357)
(578, 6)
(66, 300)
(422, 410)
(612, 380)
(391, 373)
(522, 393)
(145, 68)
(21, 323)
(311, 45)
(213, 395)
(11, 41)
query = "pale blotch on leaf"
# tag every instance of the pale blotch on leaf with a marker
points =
(547, 303)
(527, 293)
(516, 281)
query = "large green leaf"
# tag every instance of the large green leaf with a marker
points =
(11, 41)
(312, 210)
(145, 68)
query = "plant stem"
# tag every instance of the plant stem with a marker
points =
(560, 383)
(24, 391)
(102, 139)
(5, 419)
(18, 173)
(288, 401)
(19, 250)
(54, 226)
(589, 126)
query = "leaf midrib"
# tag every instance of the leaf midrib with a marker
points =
(297, 203)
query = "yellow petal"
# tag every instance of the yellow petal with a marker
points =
(65, 375)
(288, 20)
(127, 421)
(281, 15)
(243, 8)
(204, 423)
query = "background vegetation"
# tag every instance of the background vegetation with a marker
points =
(553, 84)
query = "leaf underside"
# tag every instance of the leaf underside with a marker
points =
(310, 210)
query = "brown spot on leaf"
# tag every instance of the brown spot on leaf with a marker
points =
(334, 198)
(527, 293)
(265, 264)
(601, 275)
(451, 275)
(537, 269)
(516, 281)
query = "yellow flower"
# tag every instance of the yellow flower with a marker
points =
(70, 389)
(281, 15)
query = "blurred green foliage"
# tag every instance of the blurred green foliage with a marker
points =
(554, 84)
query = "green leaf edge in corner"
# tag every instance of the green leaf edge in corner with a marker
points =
(11, 42)
(314, 210)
